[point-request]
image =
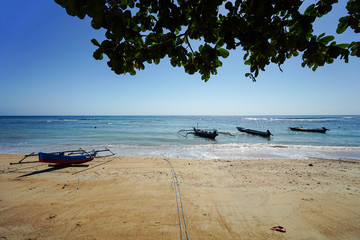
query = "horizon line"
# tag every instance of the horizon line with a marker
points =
(140, 115)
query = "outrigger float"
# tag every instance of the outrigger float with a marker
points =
(66, 157)
(211, 134)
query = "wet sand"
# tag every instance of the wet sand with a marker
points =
(134, 198)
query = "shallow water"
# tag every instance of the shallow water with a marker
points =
(157, 136)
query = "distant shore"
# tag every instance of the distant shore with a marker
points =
(134, 198)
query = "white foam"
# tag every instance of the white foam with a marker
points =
(239, 151)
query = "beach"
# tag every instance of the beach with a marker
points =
(134, 198)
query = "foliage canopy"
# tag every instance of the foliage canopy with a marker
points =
(269, 31)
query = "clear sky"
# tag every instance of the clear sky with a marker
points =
(47, 68)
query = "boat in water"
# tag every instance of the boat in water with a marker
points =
(211, 134)
(316, 130)
(206, 133)
(255, 132)
(200, 133)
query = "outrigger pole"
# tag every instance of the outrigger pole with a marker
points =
(33, 154)
(105, 150)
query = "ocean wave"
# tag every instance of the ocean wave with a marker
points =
(70, 120)
(78, 119)
(291, 119)
(317, 118)
(245, 151)
(352, 117)
(239, 151)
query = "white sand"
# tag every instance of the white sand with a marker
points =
(134, 198)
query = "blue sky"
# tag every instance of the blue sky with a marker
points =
(47, 68)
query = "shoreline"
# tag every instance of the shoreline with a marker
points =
(218, 151)
(134, 198)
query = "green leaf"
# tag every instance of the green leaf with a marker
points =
(96, 25)
(132, 72)
(343, 45)
(98, 54)
(310, 10)
(321, 35)
(326, 40)
(223, 52)
(95, 42)
(201, 47)
(228, 6)
(342, 26)
(246, 55)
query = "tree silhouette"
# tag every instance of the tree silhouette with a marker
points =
(268, 31)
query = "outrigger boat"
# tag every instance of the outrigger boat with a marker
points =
(255, 132)
(67, 157)
(200, 132)
(203, 133)
(317, 130)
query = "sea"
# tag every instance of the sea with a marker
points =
(158, 136)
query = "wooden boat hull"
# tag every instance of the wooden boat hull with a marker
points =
(60, 157)
(205, 134)
(254, 132)
(315, 130)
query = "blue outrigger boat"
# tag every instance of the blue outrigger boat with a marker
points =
(67, 157)
(61, 157)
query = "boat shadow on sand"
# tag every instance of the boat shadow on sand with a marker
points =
(54, 167)
(47, 170)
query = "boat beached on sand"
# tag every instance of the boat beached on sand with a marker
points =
(67, 157)
(61, 157)
(255, 132)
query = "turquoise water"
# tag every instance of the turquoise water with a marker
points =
(157, 136)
